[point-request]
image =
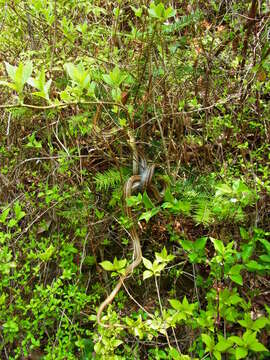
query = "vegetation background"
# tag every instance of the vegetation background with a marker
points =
(191, 81)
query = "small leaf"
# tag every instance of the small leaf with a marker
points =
(4, 215)
(237, 340)
(147, 201)
(147, 215)
(147, 274)
(147, 263)
(107, 265)
(176, 304)
(11, 70)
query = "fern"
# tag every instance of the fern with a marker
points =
(203, 214)
(109, 179)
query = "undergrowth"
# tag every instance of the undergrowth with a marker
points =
(190, 82)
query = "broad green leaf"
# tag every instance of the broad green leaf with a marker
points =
(260, 323)
(4, 215)
(134, 200)
(147, 274)
(156, 11)
(114, 78)
(257, 346)
(209, 342)
(26, 71)
(107, 265)
(237, 340)
(176, 304)
(237, 279)
(218, 245)
(223, 344)
(254, 266)
(200, 243)
(240, 353)
(11, 70)
(12, 222)
(147, 201)
(187, 245)
(266, 244)
(147, 215)
(265, 258)
(147, 263)
(217, 354)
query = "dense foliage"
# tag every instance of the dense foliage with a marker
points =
(191, 81)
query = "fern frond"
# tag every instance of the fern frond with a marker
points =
(203, 213)
(109, 179)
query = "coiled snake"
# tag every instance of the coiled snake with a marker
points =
(140, 180)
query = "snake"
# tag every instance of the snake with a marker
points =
(139, 181)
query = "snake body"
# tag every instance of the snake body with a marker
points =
(135, 182)
(139, 181)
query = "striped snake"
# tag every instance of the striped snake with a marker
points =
(140, 180)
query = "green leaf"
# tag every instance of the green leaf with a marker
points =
(223, 344)
(209, 342)
(266, 244)
(147, 201)
(217, 354)
(218, 245)
(187, 245)
(240, 353)
(257, 346)
(4, 215)
(137, 12)
(237, 279)
(77, 73)
(147, 274)
(107, 265)
(237, 340)
(156, 11)
(19, 75)
(134, 200)
(114, 78)
(11, 70)
(265, 258)
(200, 243)
(147, 215)
(254, 266)
(176, 304)
(40, 83)
(26, 71)
(247, 251)
(244, 234)
(19, 214)
(147, 263)
(260, 323)
(12, 223)
(47, 254)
